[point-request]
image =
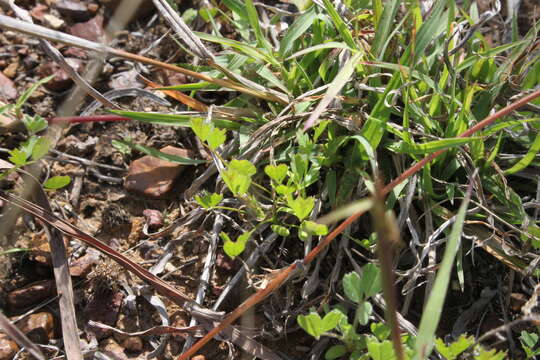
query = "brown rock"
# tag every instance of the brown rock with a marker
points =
(153, 177)
(174, 78)
(90, 30)
(83, 265)
(61, 81)
(517, 300)
(31, 61)
(225, 263)
(7, 89)
(10, 124)
(93, 8)
(72, 51)
(31, 294)
(39, 11)
(104, 308)
(133, 344)
(145, 8)
(11, 70)
(113, 350)
(38, 327)
(73, 9)
(125, 79)
(8, 347)
(52, 21)
(154, 218)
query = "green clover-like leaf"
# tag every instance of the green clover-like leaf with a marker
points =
(243, 167)
(40, 148)
(364, 311)
(34, 124)
(352, 286)
(238, 176)
(371, 280)
(284, 190)
(276, 172)
(235, 248)
(18, 157)
(301, 207)
(209, 201)
(314, 228)
(311, 323)
(216, 138)
(56, 182)
(331, 320)
(335, 352)
(200, 128)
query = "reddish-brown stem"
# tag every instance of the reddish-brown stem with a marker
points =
(283, 276)
(83, 119)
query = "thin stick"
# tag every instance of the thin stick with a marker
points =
(285, 273)
(387, 244)
(84, 119)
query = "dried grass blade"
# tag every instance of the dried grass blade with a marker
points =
(70, 332)
(333, 90)
(17, 335)
(153, 331)
(41, 32)
(388, 242)
(162, 287)
(183, 31)
(249, 345)
(183, 98)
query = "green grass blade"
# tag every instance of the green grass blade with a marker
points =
(509, 123)
(432, 312)
(297, 29)
(402, 147)
(201, 85)
(237, 7)
(14, 250)
(384, 27)
(471, 60)
(248, 50)
(255, 23)
(429, 30)
(335, 87)
(340, 24)
(161, 155)
(174, 119)
(327, 45)
(527, 159)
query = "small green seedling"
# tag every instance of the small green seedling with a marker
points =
(235, 248)
(238, 176)
(529, 343)
(209, 201)
(316, 326)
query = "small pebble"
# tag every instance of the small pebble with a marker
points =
(154, 218)
(52, 21)
(38, 327)
(8, 347)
